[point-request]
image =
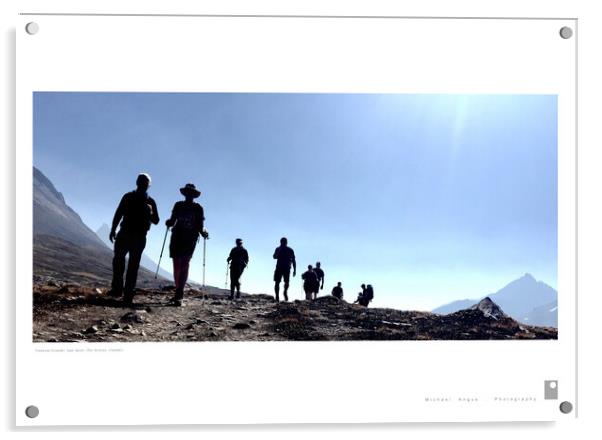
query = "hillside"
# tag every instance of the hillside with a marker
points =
(74, 313)
(64, 248)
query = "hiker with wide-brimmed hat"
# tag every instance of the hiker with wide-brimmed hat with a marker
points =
(238, 260)
(134, 216)
(186, 223)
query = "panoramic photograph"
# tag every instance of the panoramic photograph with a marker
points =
(207, 217)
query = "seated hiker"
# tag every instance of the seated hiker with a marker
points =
(337, 291)
(136, 211)
(310, 282)
(285, 257)
(238, 259)
(359, 299)
(320, 274)
(186, 223)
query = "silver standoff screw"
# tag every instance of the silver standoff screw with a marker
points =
(32, 411)
(566, 32)
(32, 28)
(566, 407)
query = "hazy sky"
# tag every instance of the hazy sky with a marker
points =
(430, 198)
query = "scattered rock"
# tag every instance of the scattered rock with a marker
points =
(91, 330)
(60, 318)
(98, 291)
(489, 309)
(132, 317)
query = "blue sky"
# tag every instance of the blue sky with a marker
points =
(430, 198)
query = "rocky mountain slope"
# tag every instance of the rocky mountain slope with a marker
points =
(524, 299)
(75, 313)
(53, 217)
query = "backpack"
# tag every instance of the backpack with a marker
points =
(369, 294)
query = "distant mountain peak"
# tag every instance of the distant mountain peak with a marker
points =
(53, 217)
(489, 308)
(41, 180)
(528, 276)
(103, 230)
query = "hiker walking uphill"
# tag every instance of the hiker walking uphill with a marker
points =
(285, 257)
(310, 282)
(238, 259)
(320, 274)
(134, 216)
(337, 291)
(186, 223)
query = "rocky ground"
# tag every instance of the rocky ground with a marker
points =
(75, 313)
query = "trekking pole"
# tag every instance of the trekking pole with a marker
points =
(227, 269)
(161, 256)
(204, 258)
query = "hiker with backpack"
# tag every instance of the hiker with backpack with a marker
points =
(337, 291)
(320, 274)
(368, 294)
(186, 223)
(238, 260)
(285, 257)
(134, 216)
(310, 282)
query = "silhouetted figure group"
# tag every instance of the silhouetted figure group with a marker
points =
(134, 216)
(313, 281)
(365, 296)
(137, 211)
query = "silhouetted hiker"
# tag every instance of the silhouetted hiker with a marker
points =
(337, 291)
(284, 257)
(368, 294)
(238, 259)
(186, 222)
(136, 212)
(320, 274)
(310, 282)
